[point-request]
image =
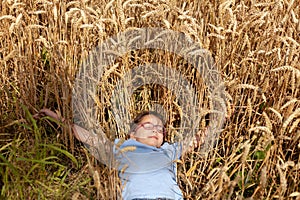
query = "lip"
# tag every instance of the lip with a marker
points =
(153, 137)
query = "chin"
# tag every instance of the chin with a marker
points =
(154, 145)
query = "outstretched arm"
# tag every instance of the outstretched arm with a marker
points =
(98, 144)
(196, 142)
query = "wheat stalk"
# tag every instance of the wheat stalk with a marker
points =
(260, 128)
(295, 114)
(294, 125)
(286, 67)
(290, 102)
(277, 114)
(283, 181)
(267, 120)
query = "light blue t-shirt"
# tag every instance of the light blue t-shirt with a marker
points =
(147, 171)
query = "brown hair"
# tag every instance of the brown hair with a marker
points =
(140, 117)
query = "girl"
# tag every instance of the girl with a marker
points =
(150, 167)
(146, 163)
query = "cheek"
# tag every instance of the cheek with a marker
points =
(161, 138)
(160, 141)
(144, 132)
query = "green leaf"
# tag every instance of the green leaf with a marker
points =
(43, 161)
(10, 166)
(34, 124)
(66, 153)
(259, 155)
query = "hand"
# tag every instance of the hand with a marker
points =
(198, 139)
(46, 112)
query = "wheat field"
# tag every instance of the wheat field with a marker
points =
(256, 48)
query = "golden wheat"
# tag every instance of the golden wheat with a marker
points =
(43, 43)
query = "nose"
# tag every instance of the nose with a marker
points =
(155, 131)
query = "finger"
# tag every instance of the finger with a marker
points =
(37, 116)
(205, 132)
(201, 140)
(199, 133)
(195, 143)
(47, 112)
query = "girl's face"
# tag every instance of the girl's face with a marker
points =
(152, 137)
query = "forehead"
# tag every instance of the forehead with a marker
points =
(152, 118)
